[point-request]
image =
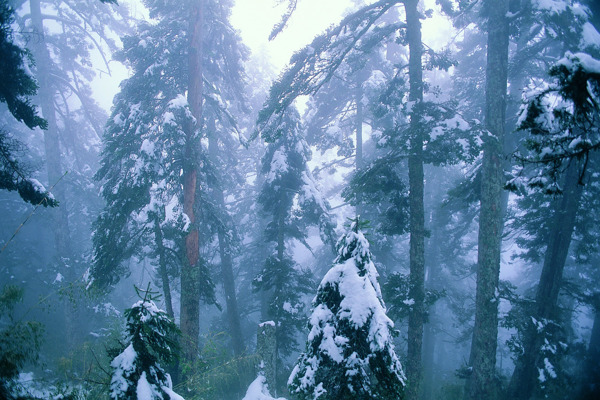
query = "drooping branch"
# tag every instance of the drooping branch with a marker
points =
(313, 66)
(284, 19)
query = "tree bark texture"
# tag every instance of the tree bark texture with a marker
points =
(523, 383)
(162, 268)
(416, 206)
(190, 285)
(482, 383)
(266, 350)
(60, 215)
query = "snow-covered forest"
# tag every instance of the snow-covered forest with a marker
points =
(408, 209)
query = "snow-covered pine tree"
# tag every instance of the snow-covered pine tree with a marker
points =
(349, 352)
(291, 203)
(145, 150)
(138, 371)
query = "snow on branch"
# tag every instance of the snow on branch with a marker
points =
(349, 350)
(563, 119)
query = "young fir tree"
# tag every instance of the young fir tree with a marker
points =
(138, 371)
(349, 353)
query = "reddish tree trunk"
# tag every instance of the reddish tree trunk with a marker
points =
(190, 285)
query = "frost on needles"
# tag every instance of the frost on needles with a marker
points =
(349, 352)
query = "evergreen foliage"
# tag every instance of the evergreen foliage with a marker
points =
(14, 174)
(145, 142)
(557, 158)
(16, 90)
(381, 185)
(70, 143)
(291, 201)
(143, 155)
(138, 370)
(349, 351)
(48, 257)
(18, 86)
(290, 190)
(563, 122)
(314, 65)
(397, 290)
(20, 342)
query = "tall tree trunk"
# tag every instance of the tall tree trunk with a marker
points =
(433, 280)
(417, 210)
(522, 383)
(162, 268)
(233, 316)
(190, 285)
(60, 215)
(482, 382)
(429, 349)
(266, 350)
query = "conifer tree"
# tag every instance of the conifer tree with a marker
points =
(349, 352)
(63, 38)
(482, 383)
(138, 370)
(563, 145)
(291, 202)
(539, 31)
(20, 342)
(176, 96)
(16, 90)
(418, 131)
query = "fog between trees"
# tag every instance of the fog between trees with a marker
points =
(391, 221)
